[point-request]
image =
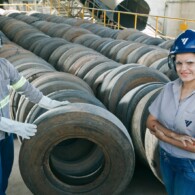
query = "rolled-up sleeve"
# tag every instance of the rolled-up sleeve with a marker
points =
(154, 108)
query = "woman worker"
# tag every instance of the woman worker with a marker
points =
(172, 119)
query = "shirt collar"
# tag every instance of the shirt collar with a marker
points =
(177, 84)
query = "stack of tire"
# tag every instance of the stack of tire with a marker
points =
(75, 148)
(84, 148)
(123, 46)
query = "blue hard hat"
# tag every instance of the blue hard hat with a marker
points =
(184, 43)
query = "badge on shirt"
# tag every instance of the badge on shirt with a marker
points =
(188, 123)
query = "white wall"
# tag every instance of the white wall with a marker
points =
(179, 9)
(157, 7)
(173, 9)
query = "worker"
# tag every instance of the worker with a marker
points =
(172, 119)
(9, 76)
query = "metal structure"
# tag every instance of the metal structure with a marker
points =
(88, 9)
(126, 20)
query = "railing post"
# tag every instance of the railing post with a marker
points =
(69, 8)
(119, 19)
(104, 18)
(83, 11)
(50, 6)
(156, 30)
(27, 8)
(92, 15)
(59, 7)
(135, 22)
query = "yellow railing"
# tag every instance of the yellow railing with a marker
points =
(183, 21)
(57, 5)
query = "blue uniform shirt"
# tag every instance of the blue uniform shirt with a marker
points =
(176, 115)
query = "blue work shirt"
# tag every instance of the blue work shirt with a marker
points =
(9, 76)
(176, 115)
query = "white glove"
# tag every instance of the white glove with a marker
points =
(48, 103)
(25, 130)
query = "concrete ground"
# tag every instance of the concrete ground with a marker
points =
(142, 183)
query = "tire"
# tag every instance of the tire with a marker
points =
(130, 79)
(78, 121)
(104, 90)
(138, 125)
(129, 101)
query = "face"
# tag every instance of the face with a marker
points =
(185, 66)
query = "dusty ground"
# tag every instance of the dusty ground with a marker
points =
(143, 182)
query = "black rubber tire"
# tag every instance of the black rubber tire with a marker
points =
(138, 125)
(134, 56)
(78, 121)
(95, 72)
(152, 56)
(104, 90)
(151, 145)
(47, 49)
(124, 52)
(82, 71)
(81, 61)
(129, 101)
(61, 65)
(125, 81)
(57, 53)
(73, 96)
(113, 52)
(76, 56)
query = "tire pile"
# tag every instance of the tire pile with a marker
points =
(89, 146)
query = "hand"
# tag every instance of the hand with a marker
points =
(25, 130)
(183, 138)
(48, 103)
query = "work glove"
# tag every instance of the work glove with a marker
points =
(48, 103)
(25, 130)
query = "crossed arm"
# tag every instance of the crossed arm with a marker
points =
(182, 141)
